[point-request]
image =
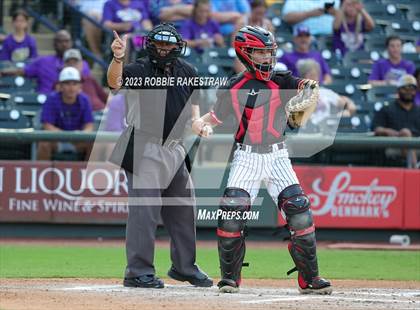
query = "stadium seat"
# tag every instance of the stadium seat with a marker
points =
(414, 57)
(403, 28)
(28, 102)
(383, 13)
(369, 107)
(404, 5)
(12, 84)
(374, 42)
(221, 57)
(274, 14)
(346, 88)
(353, 74)
(324, 43)
(284, 40)
(191, 55)
(354, 124)
(211, 70)
(331, 58)
(360, 57)
(14, 119)
(413, 13)
(382, 93)
(274, 10)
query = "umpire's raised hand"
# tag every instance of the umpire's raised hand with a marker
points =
(114, 75)
(119, 45)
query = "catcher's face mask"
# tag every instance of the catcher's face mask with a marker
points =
(263, 61)
(256, 49)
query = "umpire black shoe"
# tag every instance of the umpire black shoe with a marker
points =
(146, 281)
(199, 279)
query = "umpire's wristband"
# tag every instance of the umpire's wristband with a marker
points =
(119, 59)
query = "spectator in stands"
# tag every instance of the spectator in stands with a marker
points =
(417, 76)
(388, 71)
(400, 118)
(255, 18)
(201, 31)
(115, 122)
(93, 9)
(228, 14)
(350, 24)
(45, 69)
(19, 45)
(317, 15)
(126, 16)
(418, 46)
(115, 117)
(302, 42)
(66, 110)
(330, 103)
(96, 94)
(173, 11)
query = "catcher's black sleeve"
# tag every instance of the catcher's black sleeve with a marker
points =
(289, 85)
(223, 106)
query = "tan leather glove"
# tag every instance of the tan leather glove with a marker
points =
(301, 106)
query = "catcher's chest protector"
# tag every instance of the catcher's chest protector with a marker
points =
(259, 110)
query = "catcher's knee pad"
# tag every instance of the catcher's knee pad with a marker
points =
(230, 233)
(295, 204)
(302, 246)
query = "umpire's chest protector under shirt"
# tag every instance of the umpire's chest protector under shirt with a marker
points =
(153, 106)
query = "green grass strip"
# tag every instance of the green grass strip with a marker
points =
(41, 261)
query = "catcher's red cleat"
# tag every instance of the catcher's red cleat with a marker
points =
(318, 286)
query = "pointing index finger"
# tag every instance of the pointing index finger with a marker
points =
(116, 36)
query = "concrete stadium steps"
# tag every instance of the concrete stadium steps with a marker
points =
(44, 41)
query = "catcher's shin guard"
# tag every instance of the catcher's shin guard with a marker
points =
(302, 246)
(231, 239)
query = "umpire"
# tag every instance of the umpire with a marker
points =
(158, 180)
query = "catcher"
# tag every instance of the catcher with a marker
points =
(257, 98)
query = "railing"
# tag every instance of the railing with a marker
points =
(348, 141)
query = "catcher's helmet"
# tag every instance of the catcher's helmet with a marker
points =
(247, 41)
(164, 32)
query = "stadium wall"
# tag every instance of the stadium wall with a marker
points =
(342, 197)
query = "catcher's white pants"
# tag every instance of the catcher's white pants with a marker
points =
(249, 169)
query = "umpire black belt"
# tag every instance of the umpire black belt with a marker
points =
(261, 148)
(170, 143)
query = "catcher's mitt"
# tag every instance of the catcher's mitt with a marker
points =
(301, 106)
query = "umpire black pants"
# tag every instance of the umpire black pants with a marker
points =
(162, 187)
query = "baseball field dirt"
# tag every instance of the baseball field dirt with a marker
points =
(92, 294)
(104, 294)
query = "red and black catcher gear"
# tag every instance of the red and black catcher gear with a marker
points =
(247, 41)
